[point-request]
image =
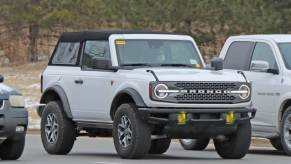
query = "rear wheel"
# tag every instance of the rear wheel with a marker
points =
(131, 135)
(276, 143)
(58, 133)
(194, 144)
(286, 131)
(237, 144)
(159, 146)
(12, 148)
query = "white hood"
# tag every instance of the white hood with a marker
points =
(191, 74)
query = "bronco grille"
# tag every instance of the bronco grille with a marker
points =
(204, 92)
(204, 97)
(193, 85)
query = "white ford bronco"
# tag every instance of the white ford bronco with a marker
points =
(266, 62)
(144, 89)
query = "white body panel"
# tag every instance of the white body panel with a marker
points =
(270, 91)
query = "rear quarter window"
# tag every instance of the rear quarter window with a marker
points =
(66, 53)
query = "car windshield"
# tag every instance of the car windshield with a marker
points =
(152, 52)
(285, 49)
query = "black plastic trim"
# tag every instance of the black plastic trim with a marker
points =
(132, 93)
(196, 110)
(62, 95)
(101, 125)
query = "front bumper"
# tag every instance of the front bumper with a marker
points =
(13, 121)
(200, 122)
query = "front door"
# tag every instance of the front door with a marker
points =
(92, 84)
(266, 86)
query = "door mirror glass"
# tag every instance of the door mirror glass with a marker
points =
(1, 79)
(259, 66)
(217, 63)
(101, 64)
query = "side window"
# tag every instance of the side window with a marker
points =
(263, 52)
(66, 54)
(96, 55)
(238, 55)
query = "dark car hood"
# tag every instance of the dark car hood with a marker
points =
(5, 91)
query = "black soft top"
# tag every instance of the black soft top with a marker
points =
(100, 35)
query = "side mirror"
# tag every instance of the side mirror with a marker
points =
(104, 64)
(273, 71)
(259, 66)
(217, 63)
(262, 66)
(1, 79)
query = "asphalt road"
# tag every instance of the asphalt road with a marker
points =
(101, 151)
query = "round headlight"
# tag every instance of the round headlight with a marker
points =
(244, 91)
(160, 91)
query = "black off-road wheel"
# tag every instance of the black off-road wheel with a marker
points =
(131, 135)
(194, 144)
(12, 148)
(160, 146)
(286, 131)
(237, 144)
(58, 133)
(276, 143)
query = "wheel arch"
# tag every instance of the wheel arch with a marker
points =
(55, 93)
(284, 105)
(123, 96)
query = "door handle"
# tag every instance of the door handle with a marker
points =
(80, 81)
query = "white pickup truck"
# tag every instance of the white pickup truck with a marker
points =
(266, 63)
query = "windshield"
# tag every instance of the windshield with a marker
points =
(285, 49)
(152, 52)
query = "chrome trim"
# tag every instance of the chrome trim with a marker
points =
(201, 91)
(155, 91)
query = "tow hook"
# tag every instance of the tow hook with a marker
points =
(230, 118)
(182, 118)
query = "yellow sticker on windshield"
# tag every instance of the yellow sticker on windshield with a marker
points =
(197, 65)
(120, 42)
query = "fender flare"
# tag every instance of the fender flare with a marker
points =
(138, 100)
(63, 98)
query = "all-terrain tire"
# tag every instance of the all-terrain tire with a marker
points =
(194, 144)
(237, 144)
(12, 148)
(276, 143)
(285, 129)
(139, 144)
(159, 146)
(66, 131)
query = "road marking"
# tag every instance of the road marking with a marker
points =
(104, 163)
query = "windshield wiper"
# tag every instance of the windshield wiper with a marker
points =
(137, 64)
(178, 65)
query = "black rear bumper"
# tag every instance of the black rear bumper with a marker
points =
(10, 119)
(199, 122)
